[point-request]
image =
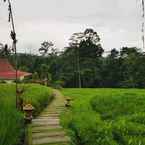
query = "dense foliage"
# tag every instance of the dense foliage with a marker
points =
(12, 121)
(124, 68)
(84, 63)
(106, 116)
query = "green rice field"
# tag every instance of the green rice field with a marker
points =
(11, 120)
(106, 116)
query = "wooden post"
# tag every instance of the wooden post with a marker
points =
(14, 39)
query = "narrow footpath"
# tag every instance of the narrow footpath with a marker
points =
(46, 128)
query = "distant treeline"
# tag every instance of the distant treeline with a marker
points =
(84, 64)
(124, 68)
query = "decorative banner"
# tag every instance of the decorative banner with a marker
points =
(143, 24)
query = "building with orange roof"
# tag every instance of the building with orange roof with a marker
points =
(8, 73)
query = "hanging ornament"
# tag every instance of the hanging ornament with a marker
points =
(9, 9)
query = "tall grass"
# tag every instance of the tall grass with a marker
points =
(106, 116)
(11, 120)
(39, 96)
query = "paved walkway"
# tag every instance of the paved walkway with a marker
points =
(46, 128)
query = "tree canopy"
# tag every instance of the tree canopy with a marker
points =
(83, 62)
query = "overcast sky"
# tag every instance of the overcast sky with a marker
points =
(118, 22)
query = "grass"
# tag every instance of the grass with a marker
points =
(11, 120)
(106, 116)
(39, 96)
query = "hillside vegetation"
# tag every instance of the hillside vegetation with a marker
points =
(11, 121)
(106, 116)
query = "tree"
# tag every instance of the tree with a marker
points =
(87, 43)
(111, 73)
(44, 71)
(76, 39)
(35, 76)
(114, 53)
(4, 50)
(132, 66)
(126, 51)
(46, 46)
(120, 68)
(85, 49)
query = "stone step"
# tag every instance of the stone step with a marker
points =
(54, 110)
(51, 112)
(50, 140)
(60, 107)
(55, 107)
(49, 118)
(45, 124)
(45, 128)
(44, 119)
(48, 134)
(56, 144)
(49, 115)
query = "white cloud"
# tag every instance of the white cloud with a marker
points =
(118, 22)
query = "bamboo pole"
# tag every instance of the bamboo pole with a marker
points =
(14, 39)
(143, 24)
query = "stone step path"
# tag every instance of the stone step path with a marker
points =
(46, 128)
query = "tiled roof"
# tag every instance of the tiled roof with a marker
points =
(8, 72)
(5, 65)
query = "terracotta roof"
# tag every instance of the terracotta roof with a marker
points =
(7, 72)
(5, 65)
